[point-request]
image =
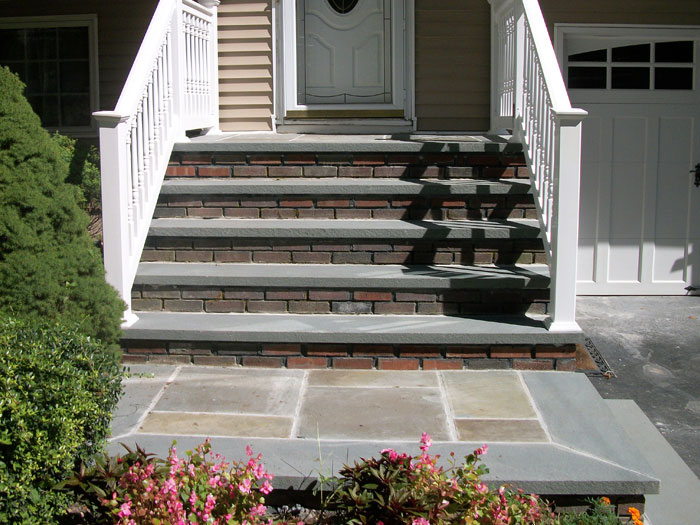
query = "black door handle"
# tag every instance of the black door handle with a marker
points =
(696, 170)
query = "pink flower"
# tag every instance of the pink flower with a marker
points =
(248, 450)
(420, 521)
(393, 455)
(258, 510)
(125, 510)
(481, 451)
(425, 441)
(266, 487)
(244, 486)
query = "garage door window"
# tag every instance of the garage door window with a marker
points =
(640, 66)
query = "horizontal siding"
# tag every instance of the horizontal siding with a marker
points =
(120, 29)
(245, 65)
(452, 65)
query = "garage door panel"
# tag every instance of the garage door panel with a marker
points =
(670, 260)
(627, 194)
(623, 259)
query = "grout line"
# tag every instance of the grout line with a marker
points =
(300, 401)
(151, 405)
(447, 409)
(535, 407)
(203, 413)
(376, 387)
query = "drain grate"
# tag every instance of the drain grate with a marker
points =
(604, 369)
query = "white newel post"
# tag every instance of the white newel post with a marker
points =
(179, 75)
(213, 66)
(564, 235)
(117, 236)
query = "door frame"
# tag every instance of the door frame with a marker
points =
(338, 118)
(614, 98)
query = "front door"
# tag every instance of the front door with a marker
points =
(344, 59)
(640, 210)
(344, 52)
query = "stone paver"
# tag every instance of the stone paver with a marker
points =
(270, 392)
(373, 413)
(501, 430)
(224, 425)
(372, 378)
(488, 395)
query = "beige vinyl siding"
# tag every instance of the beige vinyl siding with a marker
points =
(452, 65)
(121, 26)
(245, 65)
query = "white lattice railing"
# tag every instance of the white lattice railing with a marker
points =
(172, 87)
(529, 97)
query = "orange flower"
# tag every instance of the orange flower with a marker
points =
(605, 500)
(635, 513)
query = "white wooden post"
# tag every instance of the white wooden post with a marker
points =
(520, 80)
(214, 66)
(116, 236)
(179, 75)
(565, 217)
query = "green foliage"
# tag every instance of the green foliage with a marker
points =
(599, 513)
(58, 388)
(49, 267)
(83, 161)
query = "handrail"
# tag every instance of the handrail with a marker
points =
(529, 96)
(172, 87)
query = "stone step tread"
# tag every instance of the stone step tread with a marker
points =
(332, 229)
(345, 186)
(349, 329)
(344, 276)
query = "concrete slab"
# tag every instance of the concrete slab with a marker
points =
(500, 430)
(343, 186)
(318, 143)
(143, 384)
(677, 502)
(345, 229)
(232, 391)
(494, 394)
(375, 413)
(228, 425)
(345, 276)
(350, 329)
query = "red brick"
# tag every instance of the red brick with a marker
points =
(179, 171)
(277, 213)
(205, 212)
(138, 347)
(468, 352)
(214, 360)
(127, 359)
(331, 248)
(157, 256)
(353, 363)
(333, 203)
(267, 306)
(566, 365)
(507, 351)
(425, 172)
(395, 308)
(419, 351)
(483, 160)
(311, 258)
(266, 159)
(393, 172)
(352, 213)
(272, 257)
(438, 158)
(410, 296)
(499, 173)
(533, 364)
(327, 350)
(523, 173)
(250, 171)
(229, 158)
(334, 158)
(225, 306)
(320, 171)
(372, 350)
(195, 158)
(329, 295)
(242, 213)
(307, 362)
(392, 258)
(262, 362)
(284, 171)
(232, 257)
(300, 158)
(193, 256)
(368, 160)
(372, 296)
(398, 364)
(442, 364)
(170, 359)
(313, 213)
(309, 307)
(377, 203)
(286, 294)
(352, 258)
(403, 159)
(179, 305)
(554, 352)
(513, 160)
(243, 294)
(356, 171)
(392, 215)
(214, 171)
(281, 349)
(449, 203)
(146, 305)
(296, 203)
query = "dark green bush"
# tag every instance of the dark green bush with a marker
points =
(49, 267)
(58, 388)
(83, 169)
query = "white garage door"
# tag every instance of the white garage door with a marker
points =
(640, 209)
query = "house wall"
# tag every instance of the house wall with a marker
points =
(452, 65)
(245, 65)
(120, 29)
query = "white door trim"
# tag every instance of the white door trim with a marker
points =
(403, 82)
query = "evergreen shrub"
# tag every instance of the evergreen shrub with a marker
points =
(83, 160)
(49, 267)
(58, 388)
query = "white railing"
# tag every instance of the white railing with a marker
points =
(172, 87)
(529, 97)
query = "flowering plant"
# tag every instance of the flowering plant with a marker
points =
(401, 489)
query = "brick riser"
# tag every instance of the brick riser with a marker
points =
(318, 301)
(359, 165)
(382, 357)
(357, 207)
(166, 249)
